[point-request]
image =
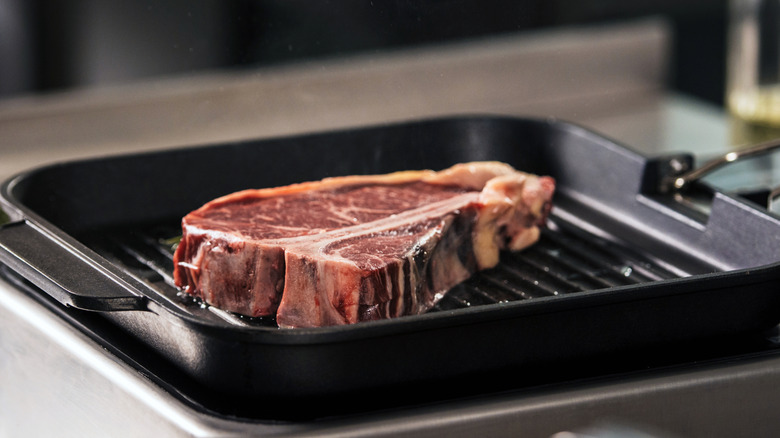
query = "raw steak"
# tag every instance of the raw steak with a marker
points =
(355, 248)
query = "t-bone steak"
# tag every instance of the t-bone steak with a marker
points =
(356, 248)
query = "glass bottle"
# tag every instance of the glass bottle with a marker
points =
(753, 70)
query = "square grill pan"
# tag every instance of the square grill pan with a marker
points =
(620, 269)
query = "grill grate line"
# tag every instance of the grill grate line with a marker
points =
(532, 281)
(139, 248)
(456, 298)
(612, 256)
(502, 284)
(554, 268)
(496, 291)
(580, 261)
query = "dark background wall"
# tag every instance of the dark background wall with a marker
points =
(51, 45)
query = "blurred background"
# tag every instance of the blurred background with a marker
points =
(48, 45)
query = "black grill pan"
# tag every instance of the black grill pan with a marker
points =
(621, 268)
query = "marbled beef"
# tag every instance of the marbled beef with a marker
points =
(355, 248)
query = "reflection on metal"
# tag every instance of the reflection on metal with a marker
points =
(684, 180)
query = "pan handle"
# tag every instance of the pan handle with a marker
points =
(63, 272)
(683, 180)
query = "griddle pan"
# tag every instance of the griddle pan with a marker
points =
(621, 268)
